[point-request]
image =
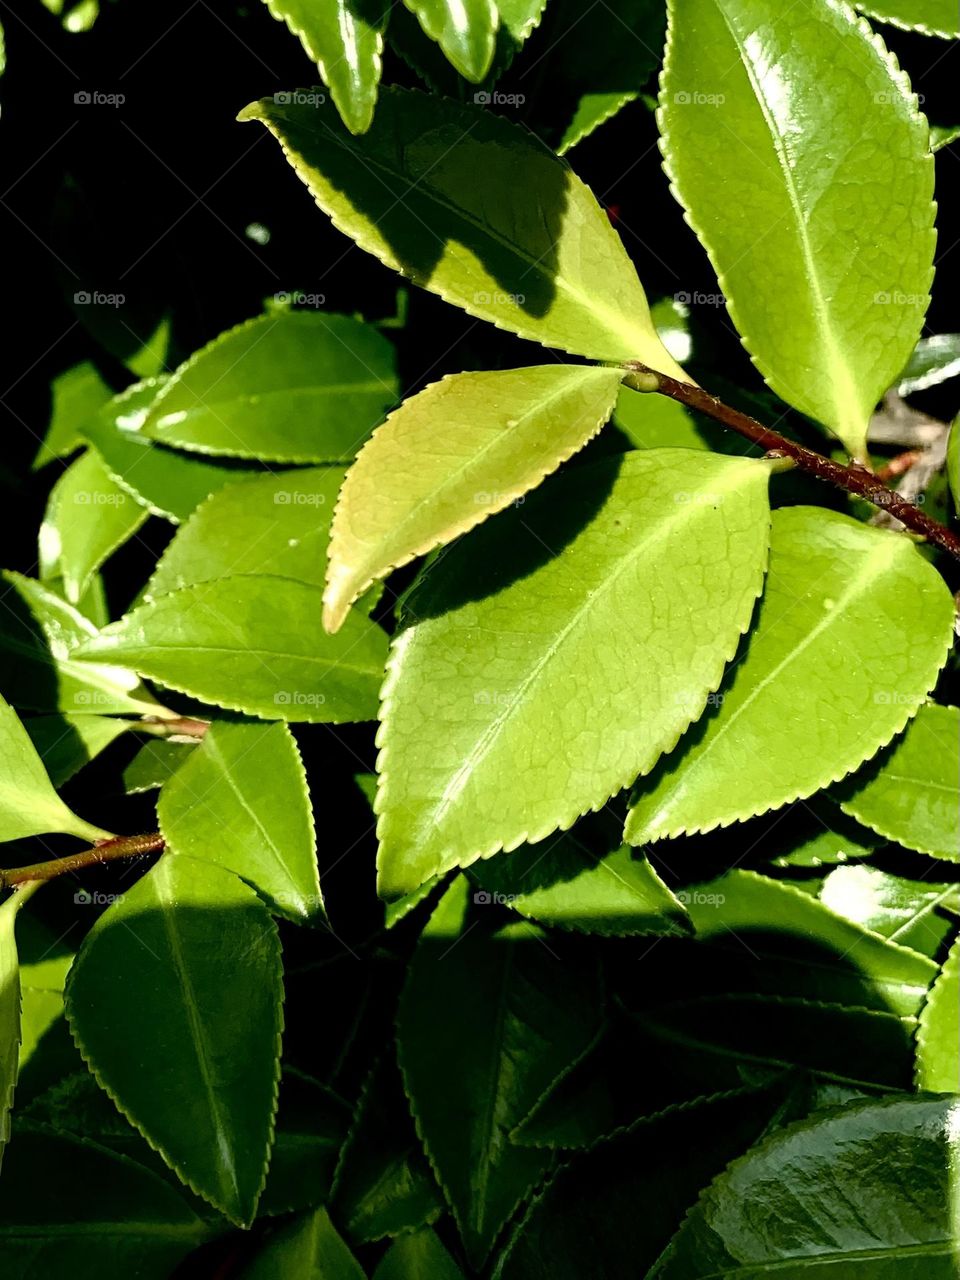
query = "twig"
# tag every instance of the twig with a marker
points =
(105, 851)
(852, 479)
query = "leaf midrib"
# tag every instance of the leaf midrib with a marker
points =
(932, 1250)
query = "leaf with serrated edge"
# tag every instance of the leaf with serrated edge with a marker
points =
(828, 303)
(931, 17)
(867, 1193)
(251, 644)
(938, 1035)
(485, 692)
(346, 46)
(914, 913)
(215, 807)
(465, 30)
(448, 458)
(88, 517)
(288, 386)
(183, 972)
(310, 1247)
(418, 1256)
(66, 743)
(517, 238)
(514, 1015)
(29, 806)
(911, 794)
(853, 628)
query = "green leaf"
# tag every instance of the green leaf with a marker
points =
(514, 1014)
(345, 39)
(865, 1190)
(939, 1032)
(943, 135)
(9, 1011)
(77, 394)
(464, 448)
(167, 483)
(100, 1217)
(183, 973)
(566, 885)
(910, 912)
(418, 1256)
(276, 524)
(829, 303)
(517, 238)
(911, 794)
(288, 386)
(29, 806)
(311, 1126)
(154, 765)
(66, 743)
(310, 1249)
(252, 644)
(383, 1184)
(38, 635)
(485, 694)
(953, 463)
(934, 360)
(932, 17)
(781, 726)
(466, 31)
(88, 517)
(216, 807)
(593, 110)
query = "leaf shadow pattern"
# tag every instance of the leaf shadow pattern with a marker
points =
(417, 158)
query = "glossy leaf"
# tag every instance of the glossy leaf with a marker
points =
(66, 743)
(154, 765)
(932, 17)
(216, 807)
(781, 727)
(276, 524)
(936, 359)
(39, 633)
(418, 1256)
(252, 644)
(514, 1016)
(288, 386)
(29, 806)
(183, 973)
(485, 693)
(460, 451)
(828, 303)
(9, 1012)
(911, 794)
(953, 464)
(518, 239)
(310, 1248)
(88, 517)
(77, 396)
(938, 1036)
(914, 913)
(593, 110)
(384, 1185)
(100, 1217)
(167, 483)
(562, 883)
(868, 1184)
(465, 30)
(345, 40)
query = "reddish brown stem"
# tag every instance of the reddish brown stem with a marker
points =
(105, 851)
(852, 479)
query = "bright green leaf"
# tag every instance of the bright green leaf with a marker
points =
(516, 239)
(216, 807)
(308, 1249)
(288, 386)
(464, 448)
(911, 794)
(938, 1036)
(252, 644)
(910, 912)
(794, 192)
(78, 394)
(29, 806)
(466, 31)
(514, 1014)
(486, 693)
(953, 464)
(865, 1187)
(932, 17)
(593, 110)
(9, 1012)
(183, 972)
(154, 765)
(345, 39)
(418, 1256)
(88, 517)
(781, 727)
